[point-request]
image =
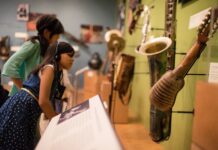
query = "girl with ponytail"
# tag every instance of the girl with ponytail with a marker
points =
(31, 53)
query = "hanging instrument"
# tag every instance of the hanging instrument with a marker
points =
(161, 56)
(164, 92)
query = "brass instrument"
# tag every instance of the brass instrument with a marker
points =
(161, 57)
(156, 51)
(115, 44)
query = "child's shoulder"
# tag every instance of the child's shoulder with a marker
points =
(48, 65)
(44, 68)
(31, 46)
(29, 42)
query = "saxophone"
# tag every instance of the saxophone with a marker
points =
(161, 57)
(156, 51)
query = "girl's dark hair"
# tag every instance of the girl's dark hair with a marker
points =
(55, 49)
(52, 24)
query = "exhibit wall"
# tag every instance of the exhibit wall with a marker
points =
(74, 13)
(183, 110)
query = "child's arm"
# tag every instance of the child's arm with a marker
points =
(18, 82)
(47, 76)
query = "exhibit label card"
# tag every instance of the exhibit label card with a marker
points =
(213, 73)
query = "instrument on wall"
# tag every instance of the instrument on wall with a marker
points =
(160, 122)
(145, 28)
(170, 31)
(135, 18)
(121, 19)
(115, 44)
(4, 47)
(156, 52)
(123, 76)
(161, 56)
(164, 92)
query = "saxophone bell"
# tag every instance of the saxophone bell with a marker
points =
(156, 52)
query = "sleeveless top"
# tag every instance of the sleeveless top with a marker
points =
(33, 85)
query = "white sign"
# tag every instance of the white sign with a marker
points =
(83, 127)
(196, 19)
(213, 73)
(23, 12)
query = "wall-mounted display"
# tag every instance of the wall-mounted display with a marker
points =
(23, 12)
(74, 39)
(121, 18)
(31, 23)
(173, 81)
(135, 10)
(91, 33)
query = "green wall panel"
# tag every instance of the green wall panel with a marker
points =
(185, 98)
(139, 102)
(180, 133)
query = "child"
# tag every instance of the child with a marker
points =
(20, 113)
(3, 93)
(21, 63)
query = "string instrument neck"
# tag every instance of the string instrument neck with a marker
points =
(193, 54)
